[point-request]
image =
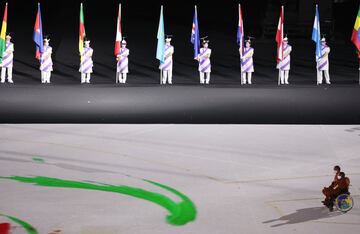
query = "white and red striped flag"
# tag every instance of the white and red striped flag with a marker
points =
(118, 34)
(280, 36)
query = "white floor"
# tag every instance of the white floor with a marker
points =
(242, 178)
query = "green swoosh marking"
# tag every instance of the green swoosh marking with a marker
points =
(30, 229)
(179, 213)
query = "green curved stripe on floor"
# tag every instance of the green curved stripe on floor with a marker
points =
(30, 229)
(180, 213)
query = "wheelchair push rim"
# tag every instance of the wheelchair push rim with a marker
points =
(344, 203)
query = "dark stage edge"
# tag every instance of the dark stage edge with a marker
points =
(213, 104)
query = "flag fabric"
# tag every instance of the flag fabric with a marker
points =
(118, 34)
(38, 34)
(195, 38)
(355, 38)
(240, 33)
(316, 34)
(160, 51)
(280, 36)
(81, 30)
(3, 34)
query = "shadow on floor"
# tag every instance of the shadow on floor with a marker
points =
(304, 215)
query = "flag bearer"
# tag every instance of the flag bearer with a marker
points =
(284, 65)
(204, 62)
(247, 63)
(167, 67)
(86, 64)
(7, 61)
(46, 64)
(122, 63)
(323, 63)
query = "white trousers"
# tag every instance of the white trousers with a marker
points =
(320, 76)
(204, 77)
(45, 77)
(121, 77)
(167, 77)
(85, 78)
(9, 74)
(284, 77)
(249, 75)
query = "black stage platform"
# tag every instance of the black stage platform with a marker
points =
(230, 104)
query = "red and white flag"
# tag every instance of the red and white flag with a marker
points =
(280, 36)
(118, 34)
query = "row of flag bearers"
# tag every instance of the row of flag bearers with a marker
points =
(165, 51)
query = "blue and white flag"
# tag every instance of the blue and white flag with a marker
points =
(316, 34)
(195, 39)
(160, 51)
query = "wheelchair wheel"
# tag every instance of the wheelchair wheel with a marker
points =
(344, 202)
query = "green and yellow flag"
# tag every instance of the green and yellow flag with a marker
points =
(3, 34)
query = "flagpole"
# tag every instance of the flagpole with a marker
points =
(240, 53)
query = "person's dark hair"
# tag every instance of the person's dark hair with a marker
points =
(337, 168)
(342, 174)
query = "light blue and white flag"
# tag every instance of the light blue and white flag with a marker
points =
(316, 34)
(160, 51)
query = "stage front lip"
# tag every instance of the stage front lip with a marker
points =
(180, 104)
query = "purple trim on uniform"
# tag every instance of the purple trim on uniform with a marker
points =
(203, 52)
(323, 65)
(205, 68)
(247, 69)
(285, 65)
(47, 67)
(244, 62)
(166, 66)
(246, 51)
(86, 69)
(203, 61)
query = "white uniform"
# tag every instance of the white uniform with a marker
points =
(46, 64)
(7, 63)
(167, 66)
(323, 65)
(122, 68)
(205, 65)
(247, 64)
(86, 65)
(284, 65)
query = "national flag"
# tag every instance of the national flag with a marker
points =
(160, 51)
(195, 38)
(81, 30)
(280, 36)
(240, 33)
(118, 33)
(356, 33)
(38, 34)
(3, 34)
(316, 34)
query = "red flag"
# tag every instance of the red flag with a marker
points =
(280, 36)
(118, 34)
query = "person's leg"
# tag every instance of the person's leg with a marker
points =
(88, 77)
(3, 74)
(170, 77)
(287, 77)
(202, 77)
(244, 77)
(327, 76)
(42, 77)
(165, 77)
(249, 77)
(282, 76)
(117, 79)
(207, 77)
(9, 73)
(49, 76)
(124, 77)
(83, 78)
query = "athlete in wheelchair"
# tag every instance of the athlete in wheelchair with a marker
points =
(338, 192)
